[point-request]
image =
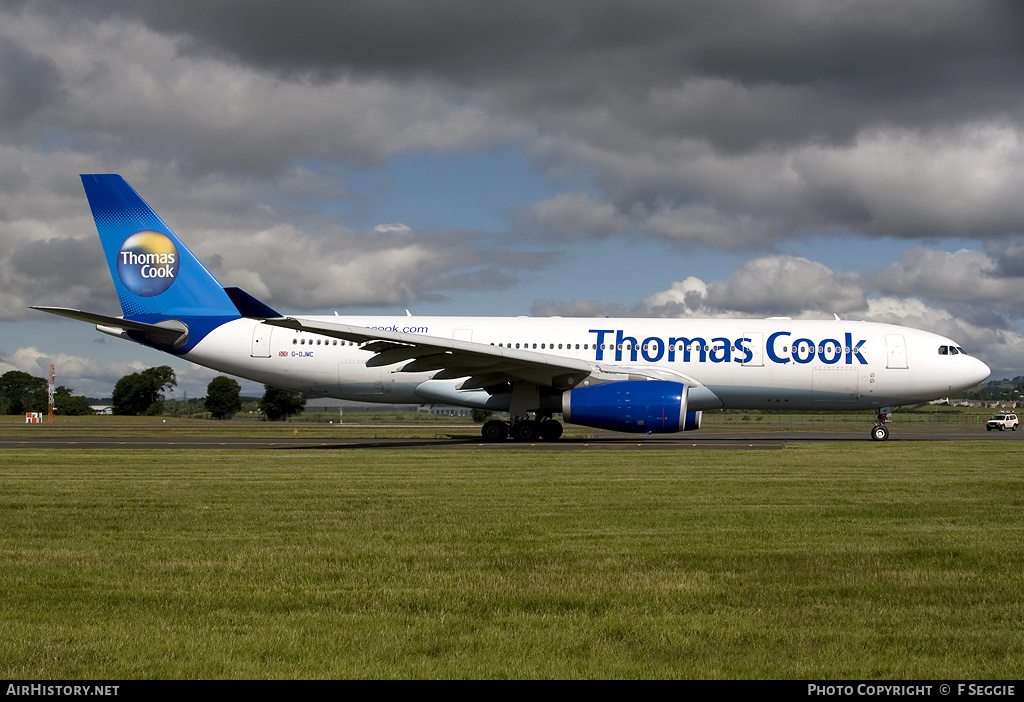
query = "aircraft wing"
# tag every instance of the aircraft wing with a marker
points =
(483, 364)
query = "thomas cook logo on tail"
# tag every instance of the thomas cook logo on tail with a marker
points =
(147, 263)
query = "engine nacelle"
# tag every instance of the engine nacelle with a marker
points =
(640, 406)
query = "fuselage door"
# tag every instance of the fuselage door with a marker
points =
(756, 347)
(261, 340)
(895, 351)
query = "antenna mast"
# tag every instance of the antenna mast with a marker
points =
(49, 394)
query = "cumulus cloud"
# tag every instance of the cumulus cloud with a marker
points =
(787, 285)
(50, 253)
(342, 268)
(29, 83)
(576, 216)
(138, 93)
(961, 276)
(394, 228)
(718, 124)
(696, 124)
(952, 182)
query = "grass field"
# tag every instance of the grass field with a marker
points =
(844, 560)
(393, 424)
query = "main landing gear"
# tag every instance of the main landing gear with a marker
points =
(880, 432)
(544, 428)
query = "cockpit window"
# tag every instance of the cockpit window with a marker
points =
(943, 350)
(953, 351)
(961, 350)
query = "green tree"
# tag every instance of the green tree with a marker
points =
(70, 405)
(140, 393)
(21, 392)
(223, 397)
(278, 403)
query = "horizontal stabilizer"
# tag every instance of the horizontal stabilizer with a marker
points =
(170, 333)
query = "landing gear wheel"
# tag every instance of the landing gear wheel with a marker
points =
(879, 432)
(524, 431)
(494, 430)
(550, 430)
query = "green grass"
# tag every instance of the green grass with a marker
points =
(393, 424)
(161, 427)
(852, 560)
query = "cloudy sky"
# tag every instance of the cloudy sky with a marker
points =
(721, 158)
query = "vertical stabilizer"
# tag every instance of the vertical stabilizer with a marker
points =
(154, 273)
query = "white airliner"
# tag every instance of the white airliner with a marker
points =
(630, 375)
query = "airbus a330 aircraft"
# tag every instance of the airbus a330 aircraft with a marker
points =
(630, 375)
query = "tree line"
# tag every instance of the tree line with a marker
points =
(21, 393)
(141, 394)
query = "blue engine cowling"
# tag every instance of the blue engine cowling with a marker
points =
(641, 406)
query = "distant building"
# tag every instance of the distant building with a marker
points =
(957, 402)
(446, 410)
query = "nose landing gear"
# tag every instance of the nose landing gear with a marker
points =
(880, 432)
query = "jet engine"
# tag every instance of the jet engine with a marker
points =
(640, 406)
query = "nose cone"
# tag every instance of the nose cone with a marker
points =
(978, 372)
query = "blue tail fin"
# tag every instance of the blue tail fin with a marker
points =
(154, 273)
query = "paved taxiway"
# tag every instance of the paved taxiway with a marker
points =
(601, 441)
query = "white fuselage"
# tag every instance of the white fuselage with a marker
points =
(737, 364)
